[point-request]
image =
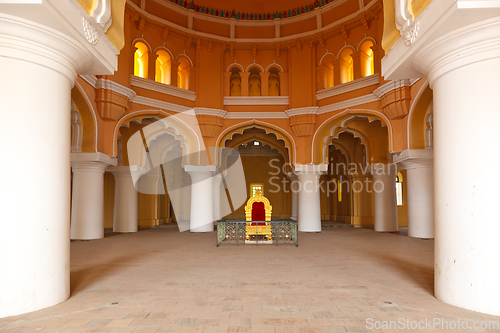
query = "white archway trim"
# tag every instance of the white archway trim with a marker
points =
(235, 64)
(275, 64)
(255, 124)
(378, 113)
(185, 55)
(334, 134)
(162, 47)
(93, 113)
(326, 54)
(367, 39)
(412, 107)
(347, 46)
(142, 40)
(254, 64)
(162, 112)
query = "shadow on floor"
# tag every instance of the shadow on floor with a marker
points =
(82, 279)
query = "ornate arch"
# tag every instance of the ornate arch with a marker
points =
(254, 64)
(235, 64)
(327, 53)
(366, 39)
(183, 125)
(185, 55)
(328, 127)
(142, 40)
(279, 132)
(275, 64)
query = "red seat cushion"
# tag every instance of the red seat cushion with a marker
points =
(258, 213)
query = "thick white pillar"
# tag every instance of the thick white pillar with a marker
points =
(457, 49)
(87, 200)
(202, 205)
(419, 165)
(38, 67)
(125, 211)
(309, 214)
(384, 198)
(295, 197)
(217, 179)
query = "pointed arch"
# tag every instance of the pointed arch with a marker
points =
(328, 127)
(279, 132)
(183, 123)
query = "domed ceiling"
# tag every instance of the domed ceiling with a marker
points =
(258, 6)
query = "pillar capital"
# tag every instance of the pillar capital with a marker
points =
(445, 37)
(382, 170)
(415, 158)
(301, 170)
(91, 162)
(200, 170)
(122, 171)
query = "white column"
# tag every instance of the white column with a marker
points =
(38, 67)
(295, 197)
(202, 206)
(384, 198)
(457, 49)
(125, 211)
(87, 200)
(419, 165)
(217, 179)
(309, 215)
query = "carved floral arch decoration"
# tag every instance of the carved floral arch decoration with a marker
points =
(331, 127)
(183, 128)
(280, 134)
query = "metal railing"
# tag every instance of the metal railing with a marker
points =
(235, 232)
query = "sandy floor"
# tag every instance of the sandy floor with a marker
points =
(160, 280)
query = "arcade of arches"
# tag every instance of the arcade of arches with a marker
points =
(355, 103)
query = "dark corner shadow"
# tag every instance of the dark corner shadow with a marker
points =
(420, 274)
(81, 279)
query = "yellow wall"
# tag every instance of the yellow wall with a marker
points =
(403, 209)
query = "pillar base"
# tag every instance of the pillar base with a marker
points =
(87, 213)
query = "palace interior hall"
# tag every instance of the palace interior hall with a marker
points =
(249, 166)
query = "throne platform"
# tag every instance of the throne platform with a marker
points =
(258, 227)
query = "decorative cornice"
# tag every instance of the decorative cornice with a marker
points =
(251, 16)
(349, 86)
(393, 85)
(90, 79)
(116, 87)
(163, 88)
(256, 115)
(302, 111)
(256, 100)
(334, 28)
(159, 104)
(348, 103)
(210, 112)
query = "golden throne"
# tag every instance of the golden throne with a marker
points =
(258, 208)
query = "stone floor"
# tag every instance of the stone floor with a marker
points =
(160, 280)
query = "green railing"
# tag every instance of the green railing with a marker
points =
(234, 232)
